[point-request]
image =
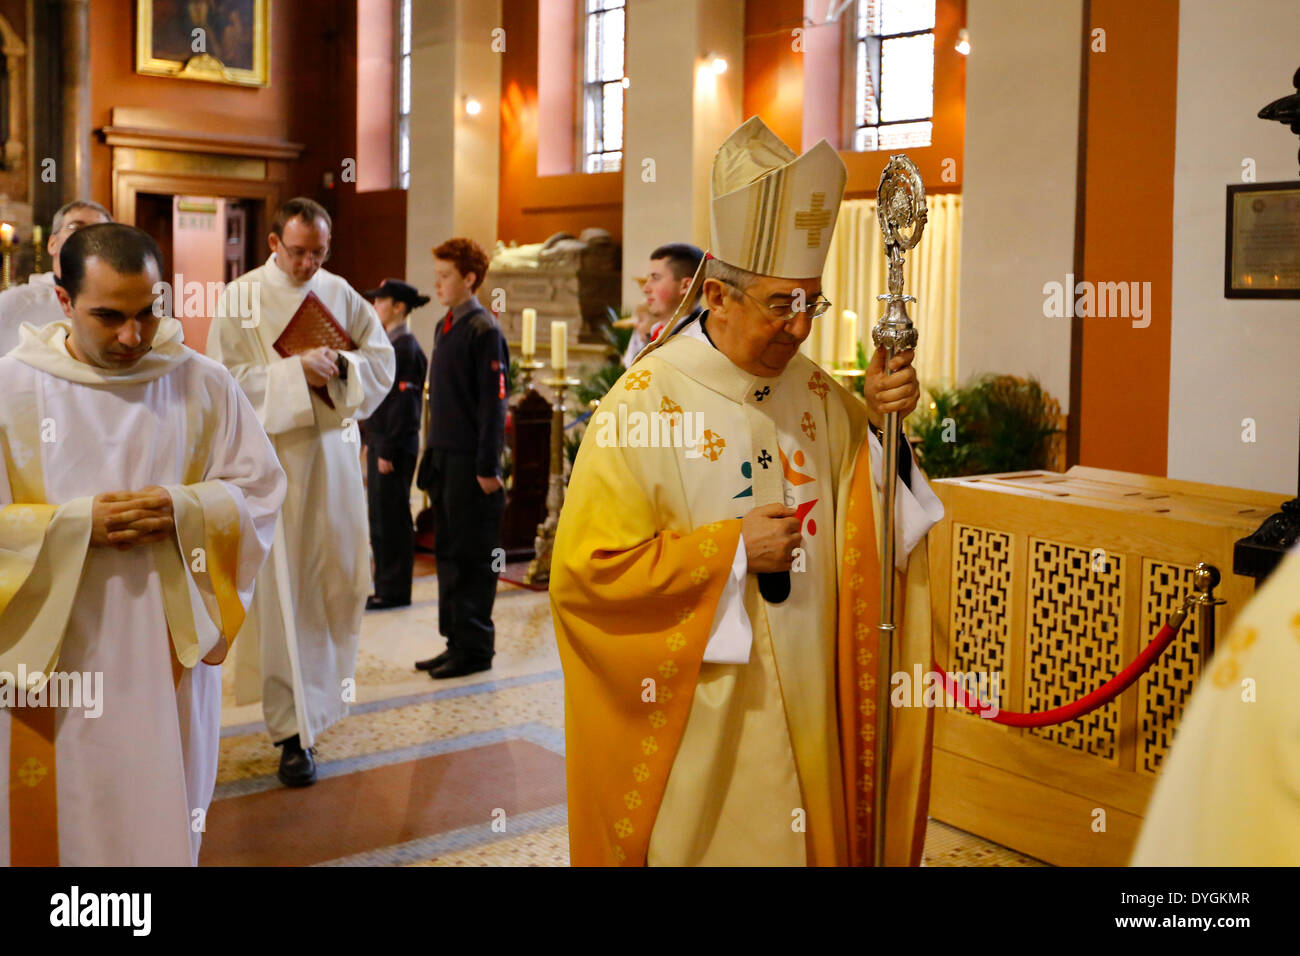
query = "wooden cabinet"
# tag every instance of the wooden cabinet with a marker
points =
(1054, 582)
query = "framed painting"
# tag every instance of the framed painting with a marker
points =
(220, 41)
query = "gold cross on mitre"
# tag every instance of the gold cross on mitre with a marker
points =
(814, 219)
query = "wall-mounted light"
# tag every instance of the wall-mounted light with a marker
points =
(963, 41)
(626, 82)
(472, 106)
(718, 64)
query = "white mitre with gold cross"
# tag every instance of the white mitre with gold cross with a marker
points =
(773, 212)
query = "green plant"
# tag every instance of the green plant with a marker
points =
(598, 383)
(993, 424)
(617, 338)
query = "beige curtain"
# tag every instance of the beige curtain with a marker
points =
(855, 275)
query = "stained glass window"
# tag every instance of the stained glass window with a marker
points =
(893, 58)
(603, 59)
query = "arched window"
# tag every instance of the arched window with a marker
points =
(604, 49)
(891, 53)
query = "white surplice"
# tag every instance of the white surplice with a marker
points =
(132, 781)
(33, 303)
(305, 624)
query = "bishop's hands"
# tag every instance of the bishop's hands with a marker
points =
(771, 533)
(124, 519)
(319, 365)
(893, 391)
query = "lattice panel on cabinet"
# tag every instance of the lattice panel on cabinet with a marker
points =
(1164, 689)
(1072, 640)
(980, 631)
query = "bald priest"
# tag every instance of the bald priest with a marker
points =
(715, 602)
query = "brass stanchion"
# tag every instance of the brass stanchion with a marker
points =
(539, 569)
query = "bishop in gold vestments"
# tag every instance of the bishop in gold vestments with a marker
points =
(714, 716)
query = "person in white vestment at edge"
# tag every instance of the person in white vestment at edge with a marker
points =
(35, 300)
(1228, 793)
(138, 498)
(298, 650)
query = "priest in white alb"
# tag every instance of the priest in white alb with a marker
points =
(299, 645)
(716, 605)
(35, 301)
(138, 496)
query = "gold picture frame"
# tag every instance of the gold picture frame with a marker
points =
(217, 41)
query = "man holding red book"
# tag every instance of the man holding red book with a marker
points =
(313, 358)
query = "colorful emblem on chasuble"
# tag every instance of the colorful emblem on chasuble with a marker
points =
(713, 444)
(818, 385)
(638, 380)
(809, 426)
(669, 410)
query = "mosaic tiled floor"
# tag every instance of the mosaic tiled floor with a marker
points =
(466, 772)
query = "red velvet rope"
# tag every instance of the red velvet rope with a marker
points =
(1098, 698)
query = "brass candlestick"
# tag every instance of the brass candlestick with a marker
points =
(846, 373)
(527, 366)
(6, 261)
(539, 569)
(37, 236)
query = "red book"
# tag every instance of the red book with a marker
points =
(311, 327)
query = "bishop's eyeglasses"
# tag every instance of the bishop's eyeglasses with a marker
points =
(786, 311)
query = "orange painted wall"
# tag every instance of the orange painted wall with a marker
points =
(212, 106)
(531, 207)
(311, 100)
(775, 90)
(773, 71)
(1128, 234)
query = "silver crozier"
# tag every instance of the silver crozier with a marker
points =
(900, 207)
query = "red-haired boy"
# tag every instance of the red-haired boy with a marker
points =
(461, 469)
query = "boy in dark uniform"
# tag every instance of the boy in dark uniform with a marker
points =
(392, 439)
(461, 468)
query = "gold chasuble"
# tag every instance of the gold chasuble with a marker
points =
(672, 760)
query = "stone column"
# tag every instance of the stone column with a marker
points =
(678, 111)
(455, 157)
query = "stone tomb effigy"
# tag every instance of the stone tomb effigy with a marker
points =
(574, 280)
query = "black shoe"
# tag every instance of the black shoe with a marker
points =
(297, 767)
(433, 662)
(376, 603)
(457, 667)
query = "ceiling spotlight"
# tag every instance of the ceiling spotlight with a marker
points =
(718, 64)
(963, 41)
(472, 106)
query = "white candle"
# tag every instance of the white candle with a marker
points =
(530, 333)
(559, 345)
(848, 337)
(827, 344)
